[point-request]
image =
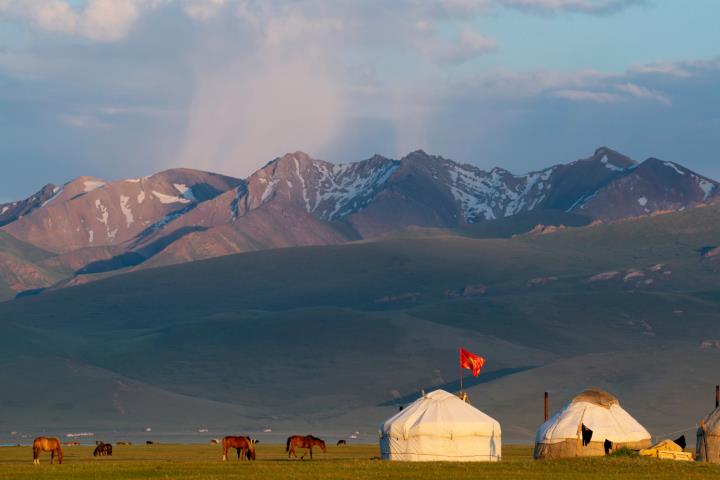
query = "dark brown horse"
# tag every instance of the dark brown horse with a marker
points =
(103, 449)
(245, 447)
(306, 442)
(44, 444)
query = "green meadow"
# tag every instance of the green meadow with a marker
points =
(351, 462)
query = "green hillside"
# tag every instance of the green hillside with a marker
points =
(329, 337)
(21, 267)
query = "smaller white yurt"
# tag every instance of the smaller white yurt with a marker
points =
(440, 427)
(561, 436)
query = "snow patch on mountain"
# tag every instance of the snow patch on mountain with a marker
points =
(609, 165)
(141, 197)
(90, 185)
(167, 199)
(56, 192)
(674, 167)
(126, 210)
(488, 196)
(344, 190)
(104, 214)
(269, 189)
(302, 183)
(185, 191)
(706, 186)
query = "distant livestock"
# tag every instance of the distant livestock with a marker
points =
(306, 442)
(43, 444)
(341, 442)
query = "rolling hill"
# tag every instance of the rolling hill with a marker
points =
(332, 338)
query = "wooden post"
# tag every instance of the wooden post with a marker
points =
(546, 406)
(460, 369)
(717, 396)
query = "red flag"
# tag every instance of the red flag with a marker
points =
(471, 361)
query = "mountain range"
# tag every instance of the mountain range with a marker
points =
(90, 228)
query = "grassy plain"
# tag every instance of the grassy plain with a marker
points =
(352, 462)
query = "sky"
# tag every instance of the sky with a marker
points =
(123, 88)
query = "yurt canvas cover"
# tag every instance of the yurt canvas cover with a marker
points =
(599, 411)
(708, 438)
(440, 427)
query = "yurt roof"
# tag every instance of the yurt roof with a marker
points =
(712, 421)
(440, 414)
(597, 410)
(597, 397)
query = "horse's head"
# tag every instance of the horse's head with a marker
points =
(251, 448)
(322, 446)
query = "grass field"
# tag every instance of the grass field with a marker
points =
(352, 462)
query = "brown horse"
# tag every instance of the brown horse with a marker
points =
(306, 442)
(245, 447)
(43, 444)
(103, 449)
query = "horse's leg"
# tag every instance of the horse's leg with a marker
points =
(225, 449)
(36, 456)
(52, 456)
(310, 452)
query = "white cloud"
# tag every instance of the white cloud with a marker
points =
(638, 91)
(588, 96)
(471, 44)
(101, 20)
(580, 6)
(203, 11)
(85, 121)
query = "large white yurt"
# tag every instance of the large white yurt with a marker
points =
(440, 427)
(597, 410)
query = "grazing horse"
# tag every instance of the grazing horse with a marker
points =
(44, 444)
(103, 449)
(306, 442)
(245, 447)
(341, 442)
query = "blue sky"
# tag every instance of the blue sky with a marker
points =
(121, 88)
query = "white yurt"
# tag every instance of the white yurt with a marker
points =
(440, 427)
(597, 410)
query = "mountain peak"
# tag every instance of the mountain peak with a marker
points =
(612, 158)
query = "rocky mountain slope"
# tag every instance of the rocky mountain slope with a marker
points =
(181, 215)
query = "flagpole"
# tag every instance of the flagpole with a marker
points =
(460, 371)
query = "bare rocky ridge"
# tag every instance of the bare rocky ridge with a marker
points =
(182, 215)
(88, 212)
(9, 212)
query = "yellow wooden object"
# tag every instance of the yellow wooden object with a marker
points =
(667, 450)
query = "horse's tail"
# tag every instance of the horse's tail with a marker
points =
(287, 444)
